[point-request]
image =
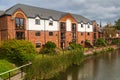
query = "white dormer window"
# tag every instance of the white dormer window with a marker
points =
(88, 25)
(81, 25)
(37, 21)
(51, 23)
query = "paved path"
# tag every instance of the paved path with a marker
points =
(17, 77)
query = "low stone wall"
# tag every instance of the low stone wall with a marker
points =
(91, 51)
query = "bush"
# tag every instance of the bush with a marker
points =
(75, 46)
(49, 48)
(116, 41)
(88, 44)
(17, 51)
(50, 45)
(101, 42)
(5, 66)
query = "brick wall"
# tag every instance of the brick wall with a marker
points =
(68, 34)
(3, 28)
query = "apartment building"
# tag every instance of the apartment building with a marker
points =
(39, 25)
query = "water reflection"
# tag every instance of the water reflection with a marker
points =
(104, 67)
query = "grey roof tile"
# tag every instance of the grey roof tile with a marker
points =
(32, 11)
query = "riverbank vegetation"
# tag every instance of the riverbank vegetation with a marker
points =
(47, 66)
(51, 59)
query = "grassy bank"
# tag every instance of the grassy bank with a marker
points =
(5, 66)
(47, 66)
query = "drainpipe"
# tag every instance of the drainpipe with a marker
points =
(44, 33)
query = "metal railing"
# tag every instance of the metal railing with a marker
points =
(18, 68)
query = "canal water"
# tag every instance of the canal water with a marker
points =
(103, 67)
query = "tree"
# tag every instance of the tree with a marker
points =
(117, 24)
(109, 31)
(18, 52)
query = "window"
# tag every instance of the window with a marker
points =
(88, 26)
(50, 33)
(51, 23)
(19, 22)
(38, 45)
(73, 35)
(94, 29)
(82, 42)
(37, 21)
(74, 27)
(82, 33)
(20, 35)
(62, 26)
(88, 33)
(37, 33)
(62, 35)
(81, 25)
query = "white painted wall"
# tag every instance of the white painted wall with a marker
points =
(44, 24)
(33, 26)
(85, 28)
(54, 27)
(68, 25)
(90, 29)
(81, 29)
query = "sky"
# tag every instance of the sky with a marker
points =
(106, 11)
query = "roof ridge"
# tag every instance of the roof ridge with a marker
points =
(44, 13)
(41, 8)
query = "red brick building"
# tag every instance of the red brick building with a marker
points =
(39, 25)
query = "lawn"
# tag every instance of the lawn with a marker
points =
(5, 66)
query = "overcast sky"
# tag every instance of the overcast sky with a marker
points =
(105, 10)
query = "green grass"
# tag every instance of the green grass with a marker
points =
(5, 66)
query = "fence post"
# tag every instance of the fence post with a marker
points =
(9, 75)
(21, 72)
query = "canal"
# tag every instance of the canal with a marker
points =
(102, 67)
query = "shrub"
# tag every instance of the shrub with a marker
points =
(88, 44)
(116, 41)
(75, 46)
(50, 45)
(101, 42)
(49, 48)
(17, 51)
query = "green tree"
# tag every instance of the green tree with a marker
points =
(117, 24)
(17, 51)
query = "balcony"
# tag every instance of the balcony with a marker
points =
(20, 28)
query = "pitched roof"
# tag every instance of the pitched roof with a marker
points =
(32, 11)
(1, 13)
